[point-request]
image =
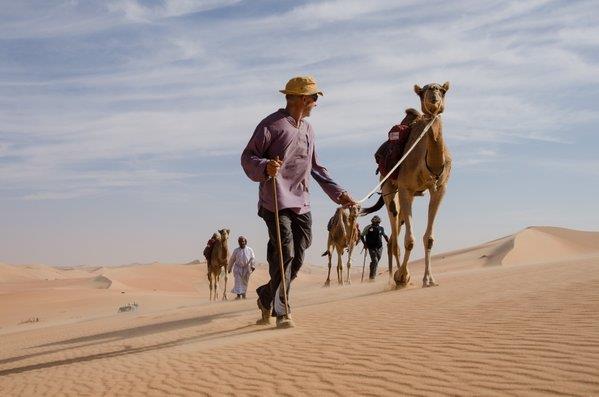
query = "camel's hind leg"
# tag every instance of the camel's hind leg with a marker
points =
(402, 275)
(348, 279)
(329, 255)
(428, 239)
(393, 212)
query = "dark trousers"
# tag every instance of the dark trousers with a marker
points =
(296, 237)
(375, 257)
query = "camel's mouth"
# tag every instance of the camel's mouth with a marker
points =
(433, 107)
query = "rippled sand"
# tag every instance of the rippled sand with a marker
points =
(516, 316)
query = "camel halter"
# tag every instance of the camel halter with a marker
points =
(377, 187)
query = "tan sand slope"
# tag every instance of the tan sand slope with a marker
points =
(9, 273)
(101, 291)
(524, 328)
(100, 282)
(175, 278)
(531, 245)
(546, 244)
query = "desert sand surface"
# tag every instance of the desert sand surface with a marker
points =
(515, 316)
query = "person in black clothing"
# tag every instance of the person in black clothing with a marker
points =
(372, 238)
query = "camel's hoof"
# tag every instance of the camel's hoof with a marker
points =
(401, 279)
(430, 284)
(327, 283)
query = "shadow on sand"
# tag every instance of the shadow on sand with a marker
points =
(249, 329)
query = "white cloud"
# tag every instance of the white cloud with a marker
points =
(41, 19)
(314, 14)
(187, 89)
(61, 195)
(139, 11)
(580, 36)
(562, 165)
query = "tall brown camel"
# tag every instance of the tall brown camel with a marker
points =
(427, 167)
(219, 258)
(343, 233)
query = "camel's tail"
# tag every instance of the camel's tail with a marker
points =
(377, 206)
(326, 253)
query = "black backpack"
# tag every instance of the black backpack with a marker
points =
(374, 237)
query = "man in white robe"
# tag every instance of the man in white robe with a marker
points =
(242, 263)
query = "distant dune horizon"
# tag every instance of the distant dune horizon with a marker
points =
(547, 231)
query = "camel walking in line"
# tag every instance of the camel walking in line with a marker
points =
(219, 258)
(344, 233)
(427, 167)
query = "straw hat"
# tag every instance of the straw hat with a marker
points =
(301, 85)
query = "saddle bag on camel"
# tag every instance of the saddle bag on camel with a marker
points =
(389, 153)
(209, 247)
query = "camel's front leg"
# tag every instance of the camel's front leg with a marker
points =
(225, 289)
(393, 250)
(328, 282)
(402, 275)
(210, 282)
(348, 279)
(214, 286)
(216, 283)
(339, 266)
(429, 238)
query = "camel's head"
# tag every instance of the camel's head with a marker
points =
(432, 97)
(224, 234)
(354, 212)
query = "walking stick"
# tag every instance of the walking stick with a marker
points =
(363, 265)
(279, 244)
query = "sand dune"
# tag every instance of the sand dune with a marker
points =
(514, 316)
(10, 273)
(175, 278)
(101, 282)
(531, 245)
(546, 244)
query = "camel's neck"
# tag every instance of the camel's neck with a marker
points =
(352, 226)
(435, 153)
(224, 250)
(343, 222)
(340, 224)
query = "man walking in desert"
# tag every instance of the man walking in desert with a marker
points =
(282, 147)
(372, 238)
(242, 264)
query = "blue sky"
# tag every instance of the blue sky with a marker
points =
(122, 122)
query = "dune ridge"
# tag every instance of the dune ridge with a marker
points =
(534, 244)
